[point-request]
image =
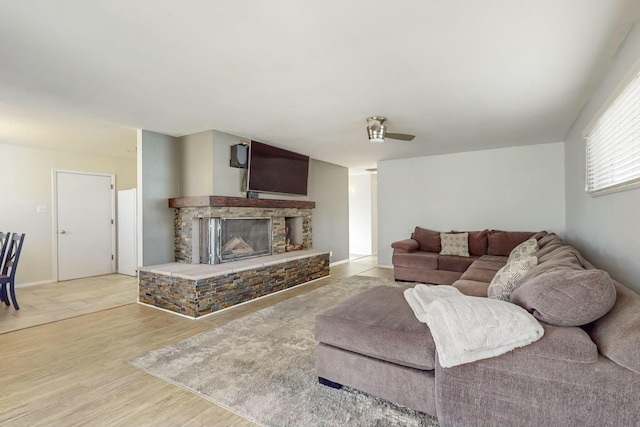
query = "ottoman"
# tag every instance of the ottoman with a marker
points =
(373, 342)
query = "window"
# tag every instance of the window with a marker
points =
(613, 140)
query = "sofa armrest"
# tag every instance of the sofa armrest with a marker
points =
(406, 245)
(566, 343)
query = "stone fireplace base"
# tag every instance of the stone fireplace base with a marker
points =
(198, 290)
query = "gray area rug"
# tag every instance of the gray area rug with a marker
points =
(262, 367)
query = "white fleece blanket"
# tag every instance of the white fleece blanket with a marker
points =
(466, 329)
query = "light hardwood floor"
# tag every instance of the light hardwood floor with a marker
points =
(62, 300)
(75, 372)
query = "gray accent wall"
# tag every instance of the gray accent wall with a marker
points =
(604, 228)
(158, 180)
(515, 189)
(226, 180)
(328, 186)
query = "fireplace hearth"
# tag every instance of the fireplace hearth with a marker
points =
(194, 288)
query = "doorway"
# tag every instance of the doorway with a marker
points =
(84, 229)
(363, 214)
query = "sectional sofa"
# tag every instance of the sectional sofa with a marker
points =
(584, 371)
(418, 258)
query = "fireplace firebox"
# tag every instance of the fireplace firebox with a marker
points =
(231, 239)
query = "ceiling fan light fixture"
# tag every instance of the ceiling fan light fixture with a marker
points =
(377, 134)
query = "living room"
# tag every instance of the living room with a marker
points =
(492, 170)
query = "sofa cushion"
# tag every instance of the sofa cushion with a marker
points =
(479, 274)
(566, 253)
(551, 237)
(471, 288)
(616, 333)
(527, 248)
(419, 259)
(406, 245)
(378, 323)
(566, 297)
(436, 277)
(429, 240)
(488, 265)
(508, 277)
(495, 258)
(478, 242)
(454, 244)
(539, 235)
(563, 259)
(455, 263)
(503, 242)
(549, 248)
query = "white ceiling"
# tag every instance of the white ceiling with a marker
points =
(460, 74)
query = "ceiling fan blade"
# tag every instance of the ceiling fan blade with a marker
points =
(400, 136)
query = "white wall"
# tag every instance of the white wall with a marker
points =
(360, 214)
(27, 182)
(374, 212)
(605, 228)
(517, 189)
(158, 181)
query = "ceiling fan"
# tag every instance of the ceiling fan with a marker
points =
(378, 131)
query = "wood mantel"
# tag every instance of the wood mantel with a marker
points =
(239, 202)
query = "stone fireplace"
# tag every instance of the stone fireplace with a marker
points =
(290, 223)
(195, 288)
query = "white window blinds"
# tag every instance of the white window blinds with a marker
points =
(613, 143)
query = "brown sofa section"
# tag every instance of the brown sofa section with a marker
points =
(418, 259)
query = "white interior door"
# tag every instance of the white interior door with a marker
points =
(127, 232)
(84, 224)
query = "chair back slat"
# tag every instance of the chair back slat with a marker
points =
(4, 241)
(13, 255)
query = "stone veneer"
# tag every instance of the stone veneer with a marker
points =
(184, 217)
(197, 296)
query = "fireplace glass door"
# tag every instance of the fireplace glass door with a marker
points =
(231, 239)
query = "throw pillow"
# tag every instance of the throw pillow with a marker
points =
(477, 241)
(455, 244)
(506, 279)
(565, 297)
(524, 249)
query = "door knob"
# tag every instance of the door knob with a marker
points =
(63, 232)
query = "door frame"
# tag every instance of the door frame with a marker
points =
(54, 204)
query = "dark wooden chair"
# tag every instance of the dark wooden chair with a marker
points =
(8, 275)
(4, 243)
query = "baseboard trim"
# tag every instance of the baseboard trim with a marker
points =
(385, 266)
(166, 311)
(41, 282)
(344, 261)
